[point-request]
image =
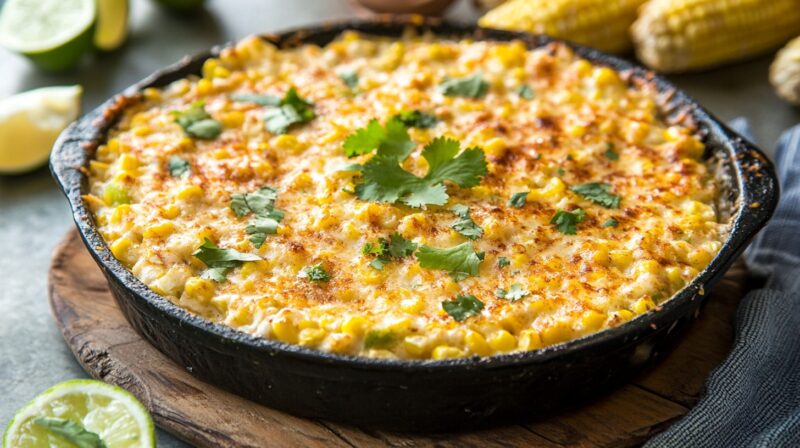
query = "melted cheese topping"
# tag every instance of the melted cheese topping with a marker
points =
(577, 284)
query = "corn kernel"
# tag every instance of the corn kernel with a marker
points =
(355, 326)
(170, 211)
(643, 305)
(605, 76)
(416, 346)
(190, 192)
(592, 320)
(503, 341)
(412, 305)
(204, 87)
(476, 343)
(624, 315)
(558, 332)
(699, 258)
(446, 352)
(621, 258)
(120, 213)
(311, 337)
(161, 230)
(120, 248)
(529, 340)
(284, 328)
(495, 147)
(199, 289)
(233, 119)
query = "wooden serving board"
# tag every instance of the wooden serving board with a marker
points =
(110, 350)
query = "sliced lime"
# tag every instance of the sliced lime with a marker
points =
(30, 123)
(81, 413)
(54, 34)
(112, 24)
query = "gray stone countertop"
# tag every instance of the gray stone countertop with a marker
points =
(34, 216)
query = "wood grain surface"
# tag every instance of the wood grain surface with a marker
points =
(109, 349)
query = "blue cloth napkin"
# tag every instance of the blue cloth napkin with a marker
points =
(753, 398)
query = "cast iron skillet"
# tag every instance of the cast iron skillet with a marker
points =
(406, 394)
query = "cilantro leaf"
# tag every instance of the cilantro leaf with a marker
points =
(384, 180)
(261, 100)
(400, 247)
(416, 119)
(567, 222)
(316, 273)
(178, 167)
(262, 204)
(518, 200)
(292, 110)
(471, 87)
(72, 431)
(503, 262)
(611, 222)
(465, 225)
(610, 153)
(599, 193)
(525, 92)
(461, 260)
(514, 293)
(463, 307)
(220, 261)
(197, 123)
(380, 339)
(350, 79)
(391, 141)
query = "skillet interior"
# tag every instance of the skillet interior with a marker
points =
(420, 395)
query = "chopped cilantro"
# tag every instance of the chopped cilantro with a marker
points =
(416, 119)
(560, 172)
(503, 262)
(518, 199)
(385, 250)
(352, 167)
(291, 110)
(384, 180)
(461, 260)
(611, 222)
(380, 339)
(567, 222)
(463, 307)
(197, 123)
(220, 261)
(610, 153)
(262, 204)
(471, 87)
(73, 432)
(599, 193)
(514, 293)
(316, 273)
(465, 225)
(525, 92)
(391, 140)
(350, 79)
(261, 100)
(178, 167)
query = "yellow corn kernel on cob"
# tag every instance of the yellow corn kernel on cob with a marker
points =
(784, 73)
(682, 35)
(600, 23)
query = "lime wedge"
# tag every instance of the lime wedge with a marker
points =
(84, 414)
(30, 123)
(54, 34)
(112, 24)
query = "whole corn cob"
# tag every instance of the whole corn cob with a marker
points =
(784, 74)
(602, 24)
(682, 35)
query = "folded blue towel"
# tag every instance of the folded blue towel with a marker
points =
(753, 398)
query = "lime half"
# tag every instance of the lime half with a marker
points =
(54, 34)
(83, 414)
(112, 24)
(30, 123)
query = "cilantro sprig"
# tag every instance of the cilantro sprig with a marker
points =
(349, 78)
(597, 192)
(220, 261)
(610, 153)
(611, 222)
(291, 110)
(385, 180)
(525, 92)
(391, 140)
(470, 87)
(461, 260)
(465, 225)
(567, 222)
(387, 249)
(518, 200)
(261, 203)
(463, 307)
(316, 273)
(503, 262)
(197, 123)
